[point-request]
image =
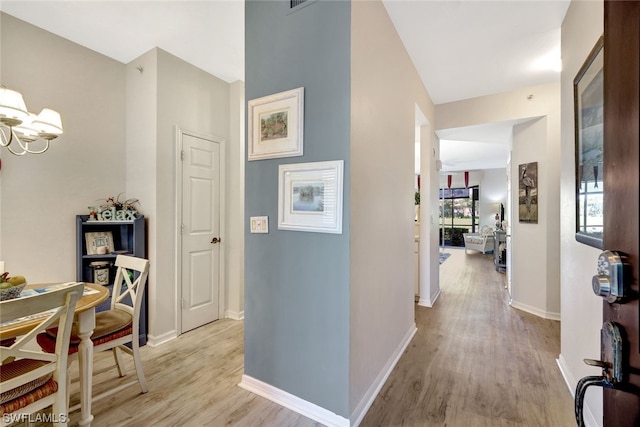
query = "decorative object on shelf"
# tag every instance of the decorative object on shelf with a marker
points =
(276, 125)
(100, 272)
(528, 192)
(113, 209)
(19, 128)
(588, 88)
(310, 197)
(97, 240)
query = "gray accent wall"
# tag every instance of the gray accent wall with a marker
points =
(297, 291)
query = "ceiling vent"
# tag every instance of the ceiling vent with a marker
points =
(295, 5)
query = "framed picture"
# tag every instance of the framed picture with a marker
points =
(528, 192)
(588, 101)
(276, 125)
(310, 197)
(97, 240)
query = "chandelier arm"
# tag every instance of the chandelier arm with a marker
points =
(12, 151)
(4, 140)
(46, 147)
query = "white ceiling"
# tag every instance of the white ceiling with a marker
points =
(461, 49)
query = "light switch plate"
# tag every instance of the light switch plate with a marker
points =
(259, 224)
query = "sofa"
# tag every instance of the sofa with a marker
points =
(481, 242)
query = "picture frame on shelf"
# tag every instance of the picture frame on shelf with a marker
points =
(99, 239)
(588, 91)
(310, 197)
(276, 125)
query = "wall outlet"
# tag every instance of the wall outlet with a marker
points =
(259, 224)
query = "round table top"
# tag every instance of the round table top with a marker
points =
(85, 303)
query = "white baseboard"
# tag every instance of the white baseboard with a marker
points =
(372, 392)
(535, 311)
(235, 315)
(319, 414)
(423, 302)
(288, 400)
(153, 341)
(570, 381)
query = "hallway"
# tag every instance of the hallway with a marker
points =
(475, 361)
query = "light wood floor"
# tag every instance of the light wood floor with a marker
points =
(473, 362)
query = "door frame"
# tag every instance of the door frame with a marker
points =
(179, 133)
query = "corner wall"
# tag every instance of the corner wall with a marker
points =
(297, 283)
(167, 93)
(42, 194)
(581, 309)
(385, 89)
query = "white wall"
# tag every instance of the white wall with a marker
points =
(581, 309)
(382, 193)
(235, 203)
(526, 103)
(42, 194)
(530, 250)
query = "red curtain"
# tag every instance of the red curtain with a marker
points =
(449, 181)
(466, 179)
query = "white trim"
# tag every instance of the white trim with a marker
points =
(234, 315)
(422, 302)
(178, 226)
(589, 418)
(288, 400)
(372, 392)
(535, 311)
(155, 341)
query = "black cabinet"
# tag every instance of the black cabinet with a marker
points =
(128, 238)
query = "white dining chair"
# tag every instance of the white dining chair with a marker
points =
(30, 381)
(119, 326)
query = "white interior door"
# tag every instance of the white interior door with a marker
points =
(201, 239)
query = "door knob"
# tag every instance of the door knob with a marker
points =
(216, 240)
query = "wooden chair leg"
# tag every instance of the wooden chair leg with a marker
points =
(117, 355)
(138, 364)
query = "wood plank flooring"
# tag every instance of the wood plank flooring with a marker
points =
(473, 362)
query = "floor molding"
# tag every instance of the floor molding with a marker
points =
(154, 341)
(235, 315)
(535, 311)
(367, 400)
(288, 400)
(423, 302)
(589, 419)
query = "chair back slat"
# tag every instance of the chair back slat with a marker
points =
(124, 288)
(53, 306)
(59, 305)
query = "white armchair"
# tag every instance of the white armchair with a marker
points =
(482, 241)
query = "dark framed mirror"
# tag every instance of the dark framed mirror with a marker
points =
(589, 142)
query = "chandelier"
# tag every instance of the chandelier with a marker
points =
(19, 128)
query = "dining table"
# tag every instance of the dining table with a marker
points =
(85, 313)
